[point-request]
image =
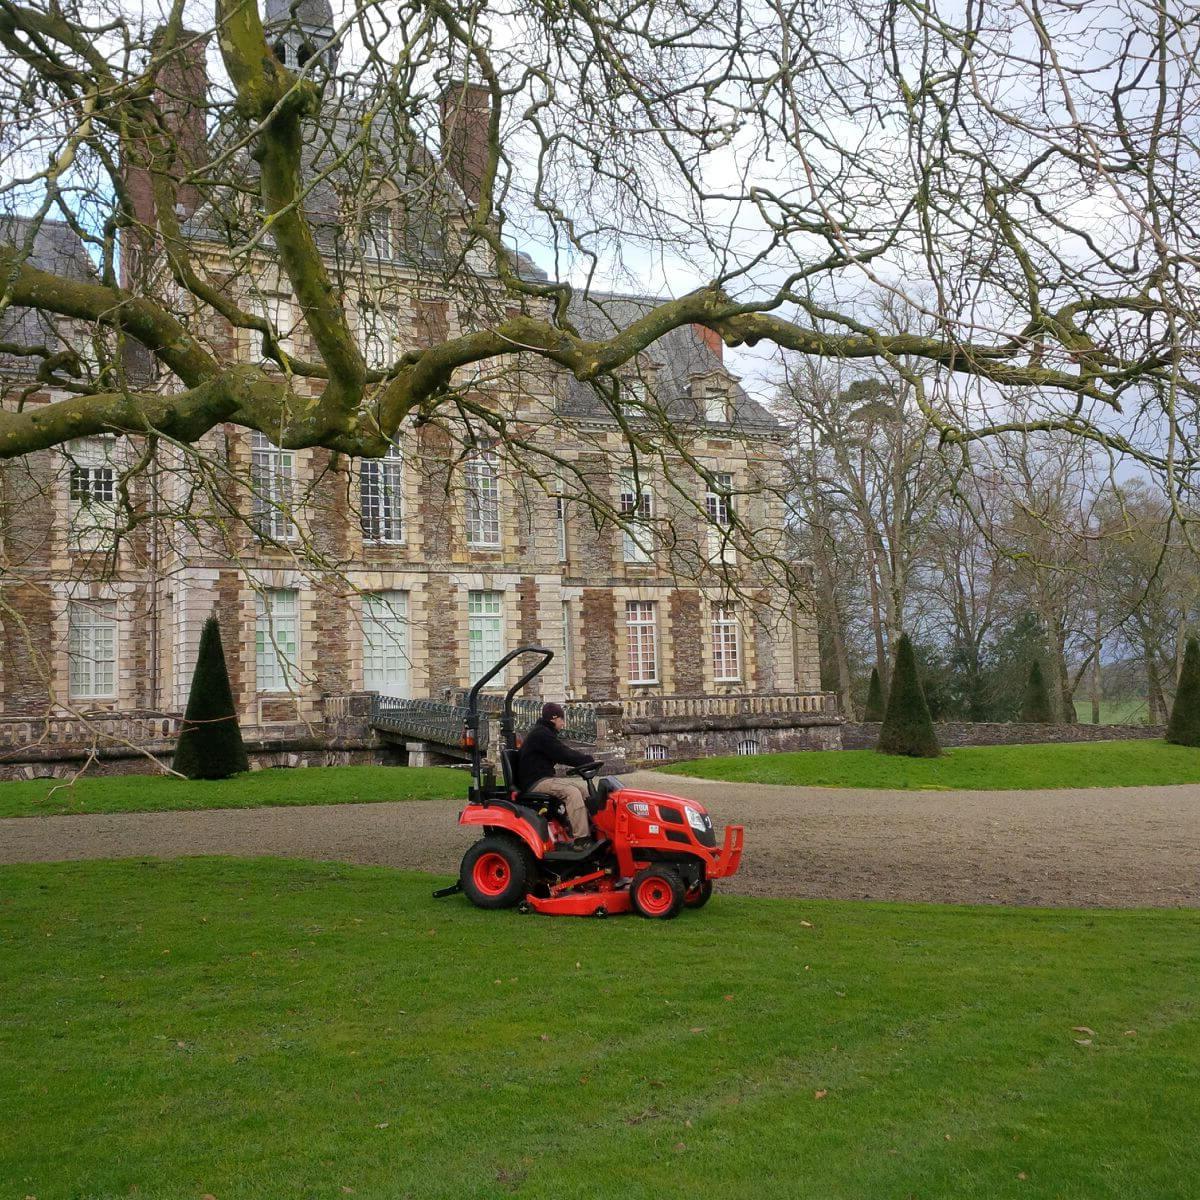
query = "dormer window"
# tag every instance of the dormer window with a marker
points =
(377, 236)
(716, 403)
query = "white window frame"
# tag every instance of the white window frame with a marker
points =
(641, 633)
(636, 504)
(92, 492)
(568, 663)
(279, 311)
(656, 752)
(716, 403)
(277, 639)
(718, 508)
(378, 333)
(381, 498)
(482, 474)
(726, 644)
(378, 236)
(748, 747)
(387, 663)
(92, 635)
(485, 633)
(272, 485)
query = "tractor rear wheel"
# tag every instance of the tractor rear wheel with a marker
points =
(495, 872)
(698, 896)
(657, 892)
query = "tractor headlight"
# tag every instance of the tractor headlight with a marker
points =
(697, 820)
(639, 808)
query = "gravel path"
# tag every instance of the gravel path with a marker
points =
(1099, 846)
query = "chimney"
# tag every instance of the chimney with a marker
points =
(711, 339)
(466, 109)
(181, 92)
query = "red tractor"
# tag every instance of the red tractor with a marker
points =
(654, 853)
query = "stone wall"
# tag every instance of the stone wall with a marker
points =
(863, 735)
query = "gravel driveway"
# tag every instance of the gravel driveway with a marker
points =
(1098, 846)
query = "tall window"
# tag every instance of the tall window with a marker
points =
(568, 661)
(483, 497)
(277, 639)
(637, 509)
(385, 643)
(92, 650)
(485, 631)
(378, 233)
(381, 510)
(716, 403)
(727, 658)
(378, 333)
(93, 492)
(560, 518)
(720, 516)
(280, 313)
(641, 628)
(272, 478)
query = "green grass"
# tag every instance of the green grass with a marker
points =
(1113, 712)
(252, 1030)
(1096, 764)
(255, 789)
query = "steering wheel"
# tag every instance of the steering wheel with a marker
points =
(587, 768)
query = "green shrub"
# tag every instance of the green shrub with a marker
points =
(1035, 705)
(907, 726)
(1184, 726)
(210, 742)
(875, 703)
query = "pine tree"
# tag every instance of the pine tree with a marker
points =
(875, 704)
(210, 742)
(907, 726)
(1035, 705)
(1184, 726)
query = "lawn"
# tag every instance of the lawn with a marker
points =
(255, 789)
(262, 1029)
(1095, 764)
(1114, 712)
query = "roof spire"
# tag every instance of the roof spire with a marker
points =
(299, 30)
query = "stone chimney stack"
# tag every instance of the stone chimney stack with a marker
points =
(466, 110)
(711, 340)
(181, 88)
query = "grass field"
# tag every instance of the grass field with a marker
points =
(1114, 712)
(250, 1030)
(1098, 764)
(161, 793)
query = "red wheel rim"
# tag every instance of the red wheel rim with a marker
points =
(654, 895)
(491, 873)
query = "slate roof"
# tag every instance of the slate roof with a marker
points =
(55, 248)
(673, 361)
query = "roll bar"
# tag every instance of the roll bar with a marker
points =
(471, 721)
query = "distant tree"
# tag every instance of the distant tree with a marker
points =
(1035, 707)
(907, 726)
(1184, 726)
(875, 707)
(210, 742)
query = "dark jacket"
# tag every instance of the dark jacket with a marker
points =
(540, 751)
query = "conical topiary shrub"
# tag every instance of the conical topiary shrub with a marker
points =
(907, 726)
(1184, 726)
(1035, 705)
(210, 742)
(875, 705)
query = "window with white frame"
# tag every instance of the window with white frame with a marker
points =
(277, 639)
(656, 752)
(718, 508)
(485, 632)
(636, 503)
(378, 333)
(93, 492)
(483, 496)
(92, 650)
(568, 662)
(377, 235)
(641, 631)
(726, 636)
(747, 746)
(272, 482)
(386, 659)
(381, 504)
(716, 403)
(279, 312)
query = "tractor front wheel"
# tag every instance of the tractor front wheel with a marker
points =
(698, 896)
(657, 892)
(495, 873)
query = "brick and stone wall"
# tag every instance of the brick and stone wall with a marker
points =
(863, 735)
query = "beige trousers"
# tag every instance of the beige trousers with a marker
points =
(571, 794)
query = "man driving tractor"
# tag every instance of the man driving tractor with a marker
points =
(541, 750)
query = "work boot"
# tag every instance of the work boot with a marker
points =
(583, 843)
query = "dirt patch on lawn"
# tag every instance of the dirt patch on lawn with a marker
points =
(1113, 847)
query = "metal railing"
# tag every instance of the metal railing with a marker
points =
(423, 720)
(580, 718)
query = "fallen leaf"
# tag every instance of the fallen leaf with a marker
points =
(382, 1125)
(545, 1037)
(728, 997)
(946, 1136)
(1022, 1175)
(578, 965)
(497, 981)
(806, 924)
(688, 1123)
(697, 1029)
(347, 1191)
(1083, 1029)
(1083, 1041)
(1130, 1033)
(680, 1146)
(583, 1079)
(820, 1093)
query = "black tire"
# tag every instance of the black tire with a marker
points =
(657, 893)
(495, 872)
(698, 896)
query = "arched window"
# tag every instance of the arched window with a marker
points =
(656, 753)
(747, 746)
